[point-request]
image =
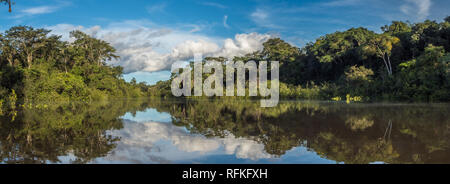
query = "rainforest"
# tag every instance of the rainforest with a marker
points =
(354, 96)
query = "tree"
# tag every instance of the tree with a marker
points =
(65, 54)
(218, 59)
(278, 50)
(381, 46)
(97, 51)
(429, 32)
(50, 50)
(327, 58)
(396, 27)
(335, 47)
(447, 19)
(7, 51)
(27, 40)
(133, 81)
(357, 74)
(104, 52)
(358, 79)
(8, 2)
(427, 77)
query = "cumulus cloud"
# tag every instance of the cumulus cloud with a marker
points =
(146, 47)
(156, 142)
(244, 148)
(418, 8)
(148, 134)
(243, 44)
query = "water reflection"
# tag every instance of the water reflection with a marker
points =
(154, 142)
(42, 134)
(227, 131)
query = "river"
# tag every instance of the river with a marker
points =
(226, 131)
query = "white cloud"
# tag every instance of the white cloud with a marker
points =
(194, 28)
(259, 15)
(216, 5)
(154, 142)
(262, 17)
(64, 30)
(418, 8)
(225, 19)
(243, 44)
(156, 8)
(335, 3)
(143, 46)
(39, 10)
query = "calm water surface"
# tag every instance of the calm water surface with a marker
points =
(226, 131)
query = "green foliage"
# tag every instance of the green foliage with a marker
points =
(36, 67)
(397, 64)
(358, 74)
(278, 50)
(12, 99)
(310, 92)
(1, 107)
(427, 77)
(162, 89)
(405, 62)
(397, 27)
(59, 86)
(335, 47)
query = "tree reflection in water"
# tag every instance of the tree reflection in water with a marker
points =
(354, 133)
(35, 134)
(348, 133)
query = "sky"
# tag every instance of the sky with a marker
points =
(151, 35)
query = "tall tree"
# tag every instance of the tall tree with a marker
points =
(8, 52)
(278, 50)
(65, 54)
(27, 40)
(381, 46)
(396, 27)
(97, 51)
(335, 47)
(50, 50)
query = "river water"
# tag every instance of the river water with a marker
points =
(226, 131)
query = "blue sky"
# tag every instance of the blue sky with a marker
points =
(150, 35)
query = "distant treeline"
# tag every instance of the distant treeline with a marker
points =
(36, 66)
(405, 62)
